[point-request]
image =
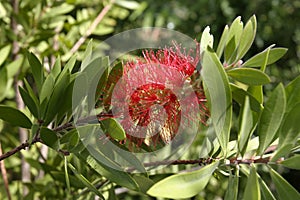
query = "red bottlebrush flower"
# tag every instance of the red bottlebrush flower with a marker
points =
(148, 98)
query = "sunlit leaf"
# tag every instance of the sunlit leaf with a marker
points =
(4, 52)
(183, 185)
(222, 42)
(249, 76)
(113, 128)
(218, 93)
(247, 36)
(274, 55)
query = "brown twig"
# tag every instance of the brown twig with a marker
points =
(93, 26)
(18, 148)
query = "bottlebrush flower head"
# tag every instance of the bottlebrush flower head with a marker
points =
(148, 98)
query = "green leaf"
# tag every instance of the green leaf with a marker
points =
(249, 76)
(183, 185)
(49, 138)
(14, 117)
(223, 41)
(57, 98)
(56, 68)
(113, 129)
(47, 88)
(247, 36)
(207, 40)
(85, 181)
(218, 93)
(292, 162)
(257, 60)
(291, 127)
(58, 10)
(71, 138)
(3, 83)
(283, 188)
(67, 68)
(29, 102)
(14, 67)
(87, 56)
(37, 70)
(252, 190)
(233, 187)
(67, 174)
(4, 52)
(292, 93)
(266, 194)
(246, 126)
(257, 91)
(271, 118)
(127, 4)
(238, 94)
(114, 175)
(234, 36)
(144, 183)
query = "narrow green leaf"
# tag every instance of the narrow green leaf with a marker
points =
(47, 88)
(3, 83)
(32, 95)
(292, 162)
(71, 138)
(238, 94)
(266, 194)
(85, 181)
(218, 93)
(223, 41)
(57, 98)
(183, 185)
(292, 93)
(118, 176)
(291, 127)
(58, 10)
(49, 138)
(14, 67)
(14, 117)
(234, 36)
(257, 91)
(247, 36)
(274, 55)
(56, 68)
(271, 118)
(233, 187)
(249, 76)
(29, 102)
(127, 4)
(252, 190)
(67, 68)
(37, 70)
(144, 183)
(113, 128)
(283, 188)
(67, 174)
(246, 126)
(4, 52)
(87, 56)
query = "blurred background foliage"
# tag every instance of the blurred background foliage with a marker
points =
(51, 28)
